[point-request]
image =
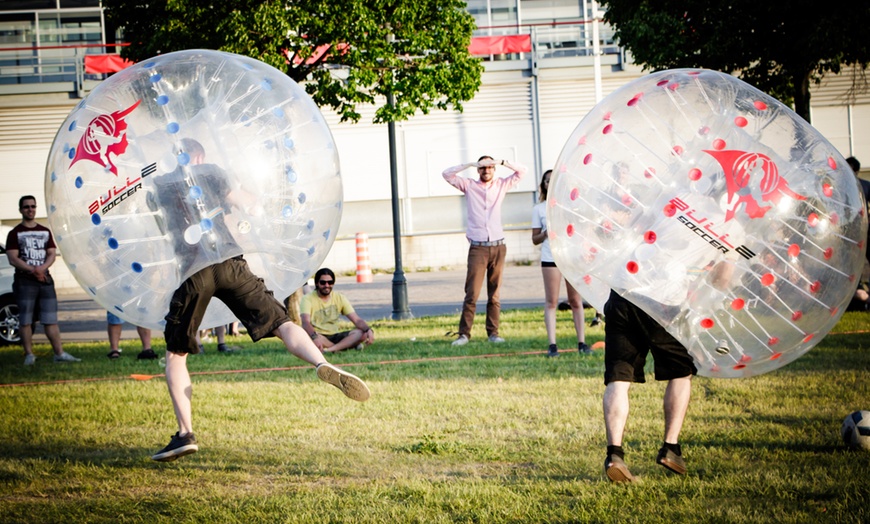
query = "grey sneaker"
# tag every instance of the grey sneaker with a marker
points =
(584, 349)
(495, 339)
(30, 359)
(553, 351)
(178, 447)
(461, 340)
(350, 385)
(616, 470)
(671, 461)
(66, 357)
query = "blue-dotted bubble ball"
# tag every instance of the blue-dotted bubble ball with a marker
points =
(183, 161)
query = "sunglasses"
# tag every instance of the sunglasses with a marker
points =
(325, 282)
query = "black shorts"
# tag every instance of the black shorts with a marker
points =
(233, 283)
(335, 338)
(548, 264)
(629, 335)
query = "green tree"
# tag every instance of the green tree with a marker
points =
(779, 47)
(344, 53)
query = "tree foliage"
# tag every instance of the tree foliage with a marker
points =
(779, 47)
(345, 53)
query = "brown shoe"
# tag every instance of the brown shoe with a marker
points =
(671, 461)
(616, 470)
(350, 385)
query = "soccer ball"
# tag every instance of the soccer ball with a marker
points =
(856, 430)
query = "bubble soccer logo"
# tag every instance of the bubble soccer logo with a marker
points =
(752, 178)
(105, 135)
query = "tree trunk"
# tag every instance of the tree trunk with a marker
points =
(802, 95)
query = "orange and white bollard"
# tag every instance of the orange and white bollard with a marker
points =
(363, 265)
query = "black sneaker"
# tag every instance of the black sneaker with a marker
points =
(616, 470)
(584, 349)
(147, 354)
(223, 348)
(553, 351)
(671, 461)
(178, 447)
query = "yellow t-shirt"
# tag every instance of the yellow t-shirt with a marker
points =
(325, 315)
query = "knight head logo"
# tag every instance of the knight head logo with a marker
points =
(752, 181)
(104, 138)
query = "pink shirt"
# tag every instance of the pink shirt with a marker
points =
(483, 201)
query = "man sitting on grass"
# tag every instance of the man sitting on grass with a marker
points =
(321, 312)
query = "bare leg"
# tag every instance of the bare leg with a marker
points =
(27, 338)
(298, 343)
(144, 336)
(114, 332)
(351, 340)
(180, 390)
(615, 411)
(615, 418)
(53, 334)
(676, 403)
(221, 334)
(552, 281)
(292, 305)
(576, 302)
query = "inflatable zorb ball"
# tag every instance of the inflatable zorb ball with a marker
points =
(186, 160)
(715, 209)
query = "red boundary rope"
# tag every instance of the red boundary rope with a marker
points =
(293, 368)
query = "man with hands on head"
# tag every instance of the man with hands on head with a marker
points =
(486, 252)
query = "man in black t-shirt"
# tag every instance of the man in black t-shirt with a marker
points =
(30, 248)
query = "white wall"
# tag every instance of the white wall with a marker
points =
(498, 122)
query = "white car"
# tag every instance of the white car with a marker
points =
(9, 332)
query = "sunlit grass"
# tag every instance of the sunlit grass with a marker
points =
(481, 433)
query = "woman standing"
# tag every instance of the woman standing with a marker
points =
(553, 278)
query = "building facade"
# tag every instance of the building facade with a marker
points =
(528, 105)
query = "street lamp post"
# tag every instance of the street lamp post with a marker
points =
(400, 285)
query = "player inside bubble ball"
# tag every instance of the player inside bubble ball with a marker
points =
(631, 334)
(199, 187)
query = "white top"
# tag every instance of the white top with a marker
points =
(539, 219)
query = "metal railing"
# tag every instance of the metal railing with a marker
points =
(556, 39)
(41, 65)
(35, 66)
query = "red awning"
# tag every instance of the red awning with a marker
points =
(319, 51)
(497, 45)
(110, 63)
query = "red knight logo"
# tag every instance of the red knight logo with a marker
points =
(752, 179)
(105, 135)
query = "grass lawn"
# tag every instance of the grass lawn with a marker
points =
(482, 433)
